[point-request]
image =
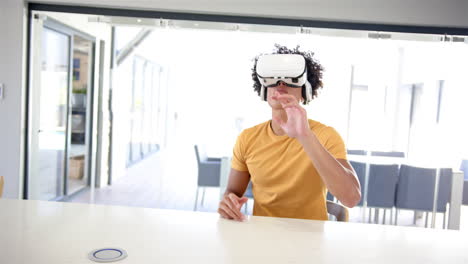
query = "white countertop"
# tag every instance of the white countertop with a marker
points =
(53, 232)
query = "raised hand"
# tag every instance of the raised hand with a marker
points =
(297, 124)
(230, 206)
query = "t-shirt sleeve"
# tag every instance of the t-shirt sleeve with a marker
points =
(335, 144)
(238, 156)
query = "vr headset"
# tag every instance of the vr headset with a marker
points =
(288, 68)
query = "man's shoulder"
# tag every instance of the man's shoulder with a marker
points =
(254, 130)
(316, 125)
(321, 129)
(257, 127)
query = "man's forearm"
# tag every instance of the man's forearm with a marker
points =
(341, 181)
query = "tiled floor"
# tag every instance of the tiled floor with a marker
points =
(168, 180)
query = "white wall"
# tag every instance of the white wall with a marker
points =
(12, 23)
(409, 12)
(11, 106)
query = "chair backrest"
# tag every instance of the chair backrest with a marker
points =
(445, 189)
(338, 210)
(382, 184)
(388, 154)
(200, 153)
(415, 189)
(360, 169)
(356, 152)
(464, 168)
(209, 171)
(2, 182)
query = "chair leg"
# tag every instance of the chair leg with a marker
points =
(396, 216)
(376, 217)
(370, 215)
(384, 216)
(245, 206)
(435, 220)
(443, 224)
(414, 217)
(203, 196)
(425, 225)
(196, 200)
(391, 216)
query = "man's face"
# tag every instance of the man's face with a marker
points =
(282, 88)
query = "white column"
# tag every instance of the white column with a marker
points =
(456, 201)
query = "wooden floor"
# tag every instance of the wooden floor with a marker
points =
(168, 179)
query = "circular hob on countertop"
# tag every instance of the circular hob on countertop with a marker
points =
(107, 254)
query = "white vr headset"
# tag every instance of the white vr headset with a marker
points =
(288, 68)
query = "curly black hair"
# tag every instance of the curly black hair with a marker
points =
(314, 70)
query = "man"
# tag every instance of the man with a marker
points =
(290, 160)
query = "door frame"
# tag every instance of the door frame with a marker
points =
(55, 25)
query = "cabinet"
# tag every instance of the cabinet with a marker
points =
(78, 118)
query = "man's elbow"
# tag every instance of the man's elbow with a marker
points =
(352, 199)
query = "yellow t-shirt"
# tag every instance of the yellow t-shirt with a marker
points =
(285, 182)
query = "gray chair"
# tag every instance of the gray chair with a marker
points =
(338, 211)
(381, 189)
(356, 152)
(415, 190)
(209, 170)
(388, 154)
(445, 190)
(464, 168)
(360, 169)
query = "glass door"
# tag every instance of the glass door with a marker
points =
(60, 116)
(49, 123)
